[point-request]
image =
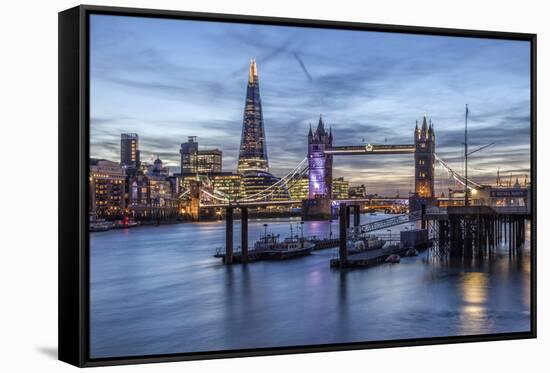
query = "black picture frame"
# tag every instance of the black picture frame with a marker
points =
(73, 186)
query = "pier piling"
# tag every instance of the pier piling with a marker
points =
(477, 231)
(344, 212)
(229, 235)
(356, 215)
(244, 234)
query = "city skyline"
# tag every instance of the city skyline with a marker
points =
(371, 86)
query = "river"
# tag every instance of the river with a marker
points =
(158, 290)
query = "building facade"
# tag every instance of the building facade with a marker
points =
(158, 169)
(340, 188)
(260, 185)
(299, 190)
(163, 203)
(194, 160)
(228, 184)
(253, 148)
(320, 164)
(424, 160)
(107, 186)
(129, 151)
(358, 191)
(139, 197)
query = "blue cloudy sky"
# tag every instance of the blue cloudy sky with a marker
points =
(169, 79)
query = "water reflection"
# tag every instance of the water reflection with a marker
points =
(474, 289)
(159, 290)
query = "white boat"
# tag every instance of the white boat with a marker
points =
(100, 225)
(367, 242)
(270, 246)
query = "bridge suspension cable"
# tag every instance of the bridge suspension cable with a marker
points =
(218, 198)
(459, 178)
(296, 174)
(286, 181)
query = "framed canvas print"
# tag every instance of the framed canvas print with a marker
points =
(234, 186)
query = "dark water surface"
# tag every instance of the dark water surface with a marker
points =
(158, 290)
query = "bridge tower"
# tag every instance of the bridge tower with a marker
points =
(320, 164)
(424, 159)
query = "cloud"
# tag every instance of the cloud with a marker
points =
(170, 80)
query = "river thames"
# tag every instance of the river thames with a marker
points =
(159, 290)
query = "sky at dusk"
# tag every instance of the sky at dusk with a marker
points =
(168, 79)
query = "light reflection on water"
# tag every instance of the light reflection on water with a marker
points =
(473, 286)
(158, 290)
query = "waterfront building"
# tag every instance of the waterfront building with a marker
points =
(107, 185)
(357, 191)
(158, 170)
(139, 201)
(424, 158)
(228, 184)
(209, 161)
(129, 151)
(253, 163)
(253, 148)
(256, 182)
(188, 155)
(194, 160)
(174, 182)
(144, 168)
(516, 196)
(163, 203)
(320, 164)
(299, 190)
(340, 188)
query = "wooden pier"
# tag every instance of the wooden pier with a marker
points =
(477, 231)
(368, 258)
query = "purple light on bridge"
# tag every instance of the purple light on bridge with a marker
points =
(317, 178)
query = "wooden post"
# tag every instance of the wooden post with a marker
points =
(229, 235)
(343, 211)
(423, 216)
(510, 234)
(244, 234)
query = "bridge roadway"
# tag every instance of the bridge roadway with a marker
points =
(371, 149)
(237, 204)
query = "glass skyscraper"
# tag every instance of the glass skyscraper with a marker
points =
(253, 150)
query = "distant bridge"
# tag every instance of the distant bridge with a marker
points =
(371, 149)
(216, 198)
(386, 223)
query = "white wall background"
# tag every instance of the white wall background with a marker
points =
(28, 184)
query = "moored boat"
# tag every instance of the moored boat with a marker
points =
(126, 223)
(271, 248)
(393, 258)
(367, 242)
(100, 225)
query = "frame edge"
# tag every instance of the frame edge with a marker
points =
(70, 258)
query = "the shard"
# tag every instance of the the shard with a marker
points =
(253, 150)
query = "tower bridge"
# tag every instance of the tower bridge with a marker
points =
(371, 149)
(320, 161)
(263, 189)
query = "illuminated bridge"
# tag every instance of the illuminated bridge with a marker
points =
(317, 167)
